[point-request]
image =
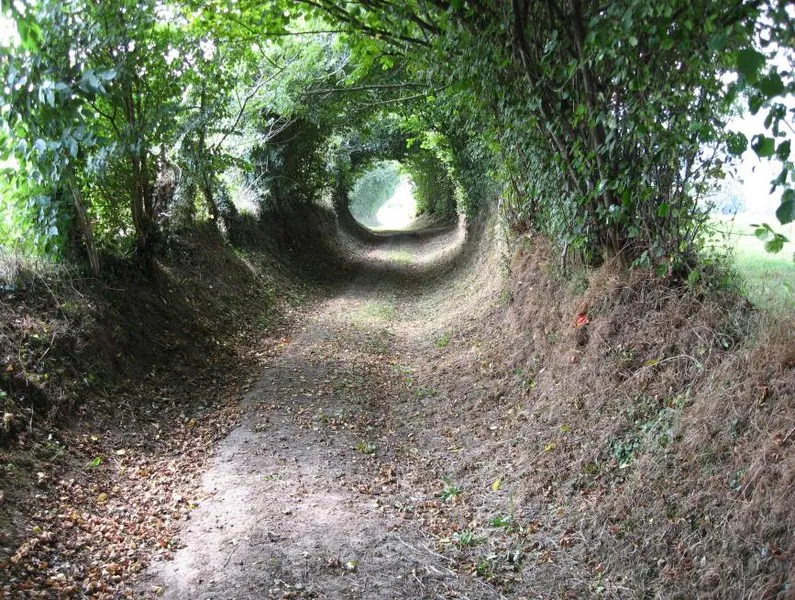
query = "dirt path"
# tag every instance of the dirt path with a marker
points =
(324, 490)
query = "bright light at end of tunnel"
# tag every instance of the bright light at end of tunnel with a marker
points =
(399, 211)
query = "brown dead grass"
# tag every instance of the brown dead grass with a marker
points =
(645, 448)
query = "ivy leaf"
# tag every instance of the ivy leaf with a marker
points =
(763, 146)
(786, 210)
(749, 62)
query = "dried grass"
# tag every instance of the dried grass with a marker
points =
(651, 446)
(700, 390)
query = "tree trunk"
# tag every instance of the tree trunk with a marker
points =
(85, 225)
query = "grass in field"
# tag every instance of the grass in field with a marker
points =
(769, 279)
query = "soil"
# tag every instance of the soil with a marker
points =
(323, 490)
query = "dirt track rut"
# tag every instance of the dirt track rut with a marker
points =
(305, 499)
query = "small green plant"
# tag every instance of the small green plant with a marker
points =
(501, 521)
(623, 450)
(505, 297)
(450, 491)
(578, 282)
(464, 538)
(526, 379)
(484, 569)
(93, 464)
(54, 448)
(70, 308)
(442, 340)
(364, 447)
(424, 392)
(591, 469)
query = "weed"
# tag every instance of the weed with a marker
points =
(442, 340)
(578, 282)
(54, 448)
(424, 392)
(591, 469)
(649, 432)
(364, 447)
(484, 569)
(464, 538)
(526, 378)
(501, 521)
(552, 336)
(451, 491)
(505, 297)
(272, 477)
(623, 450)
(70, 308)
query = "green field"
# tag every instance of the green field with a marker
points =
(768, 279)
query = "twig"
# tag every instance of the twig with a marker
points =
(228, 558)
(659, 362)
(428, 550)
(52, 341)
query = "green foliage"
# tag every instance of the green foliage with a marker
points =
(364, 447)
(372, 190)
(450, 491)
(585, 114)
(601, 126)
(765, 86)
(432, 184)
(442, 341)
(501, 521)
(464, 538)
